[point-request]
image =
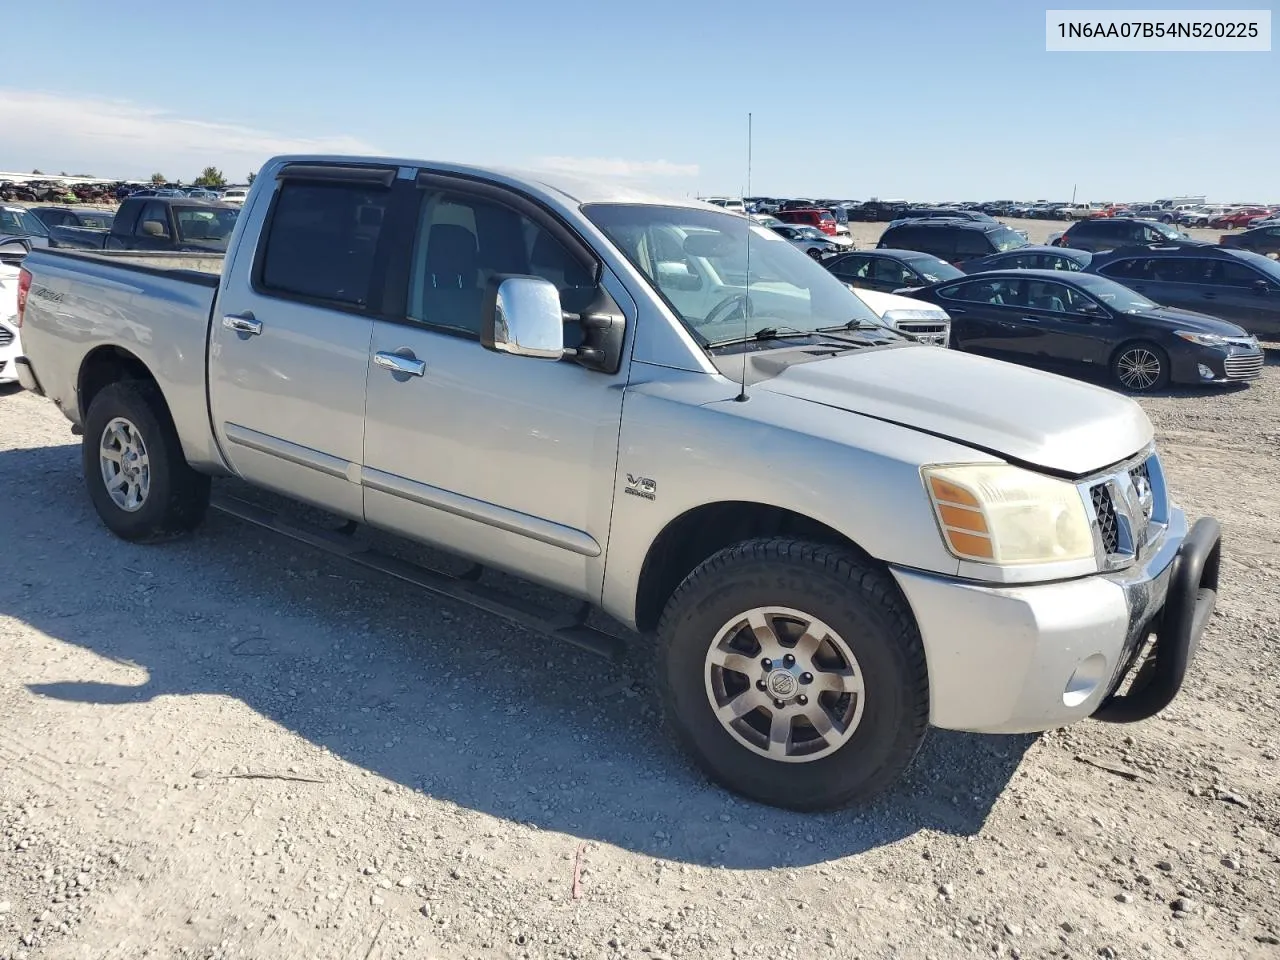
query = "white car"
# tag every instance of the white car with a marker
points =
(916, 320)
(733, 206)
(235, 195)
(10, 344)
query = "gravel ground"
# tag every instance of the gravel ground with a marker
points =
(233, 746)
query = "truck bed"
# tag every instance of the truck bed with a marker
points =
(154, 307)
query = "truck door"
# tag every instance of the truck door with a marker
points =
(504, 459)
(291, 330)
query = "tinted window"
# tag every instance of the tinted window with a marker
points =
(1088, 228)
(210, 224)
(1131, 269)
(1056, 262)
(1234, 274)
(154, 222)
(1055, 297)
(463, 242)
(854, 268)
(924, 239)
(1000, 292)
(1184, 270)
(321, 241)
(972, 243)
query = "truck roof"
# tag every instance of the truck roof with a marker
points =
(570, 188)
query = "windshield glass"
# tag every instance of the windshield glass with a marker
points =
(17, 222)
(811, 233)
(1165, 230)
(1114, 295)
(202, 223)
(934, 270)
(697, 260)
(1006, 239)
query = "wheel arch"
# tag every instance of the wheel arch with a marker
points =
(105, 365)
(693, 536)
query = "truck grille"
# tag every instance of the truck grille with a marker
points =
(924, 331)
(1106, 512)
(6, 337)
(1243, 367)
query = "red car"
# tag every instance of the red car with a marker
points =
(1240, 218)
(824, 220)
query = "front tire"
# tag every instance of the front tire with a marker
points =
(794, 674)
(136, 475)
(1140, 367)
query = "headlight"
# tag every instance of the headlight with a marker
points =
(1001, 514)
(1204, 339)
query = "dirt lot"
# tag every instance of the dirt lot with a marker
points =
(232, 746)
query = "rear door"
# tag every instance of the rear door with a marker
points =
(291, 333)
(1243, 295)
(854, 269)
(982, 312)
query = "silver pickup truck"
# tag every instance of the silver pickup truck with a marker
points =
(663, 411)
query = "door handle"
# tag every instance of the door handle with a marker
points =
(243, 324)
(398, 363)
(1030, 319)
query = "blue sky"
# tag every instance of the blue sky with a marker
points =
(927, 100)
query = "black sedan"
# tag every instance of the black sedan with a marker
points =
(1263, 240)
(890, 270)
(1078, 320)
(1032, 258)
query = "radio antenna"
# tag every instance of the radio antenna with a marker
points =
(746, 297)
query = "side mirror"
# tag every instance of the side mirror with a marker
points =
(522, 317)
(1261, 286)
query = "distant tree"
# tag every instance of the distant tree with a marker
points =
(211, 177)
(37, 172)
(64, 174)
(252, 177)
(87, 176)
(159, 178)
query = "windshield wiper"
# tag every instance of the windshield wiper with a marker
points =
(855, 324)
(766, 333)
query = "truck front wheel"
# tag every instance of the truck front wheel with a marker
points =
(794, 673)
(134, 469)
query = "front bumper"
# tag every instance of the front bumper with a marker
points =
(10, 351)
(1030, 658)
(1217, 364)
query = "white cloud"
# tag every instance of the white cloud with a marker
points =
(112, 138)
(613, 167)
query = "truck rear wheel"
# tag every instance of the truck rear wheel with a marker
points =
(794, 674)
(134, 469)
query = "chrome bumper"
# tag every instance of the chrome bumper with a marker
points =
(1029, 658)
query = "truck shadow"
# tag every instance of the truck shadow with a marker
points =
(421, 691)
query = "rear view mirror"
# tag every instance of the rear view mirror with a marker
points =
(522, 317)
(709, 244)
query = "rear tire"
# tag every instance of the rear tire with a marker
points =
(1140, 367)
(856, 659)
(136, 475)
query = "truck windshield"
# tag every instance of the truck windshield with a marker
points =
(18, 222)
(697, 261)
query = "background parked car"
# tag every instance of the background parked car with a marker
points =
(1107, 234)
(1238, 218)
(10, 342)
(940, 213)
(811, 241)
(954, 241)
(1080, 321)
(76, 228)
(1033, 258)
(810, 217)
(167, 224)
(21, 222)
(1236, 285)
(1263, 240)
(891, 271)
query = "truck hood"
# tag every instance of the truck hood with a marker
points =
(1037, 418)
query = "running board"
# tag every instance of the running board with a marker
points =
(465, 587)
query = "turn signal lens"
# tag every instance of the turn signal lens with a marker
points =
(1001, 514)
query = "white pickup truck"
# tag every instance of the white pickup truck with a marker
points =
(662, 410)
